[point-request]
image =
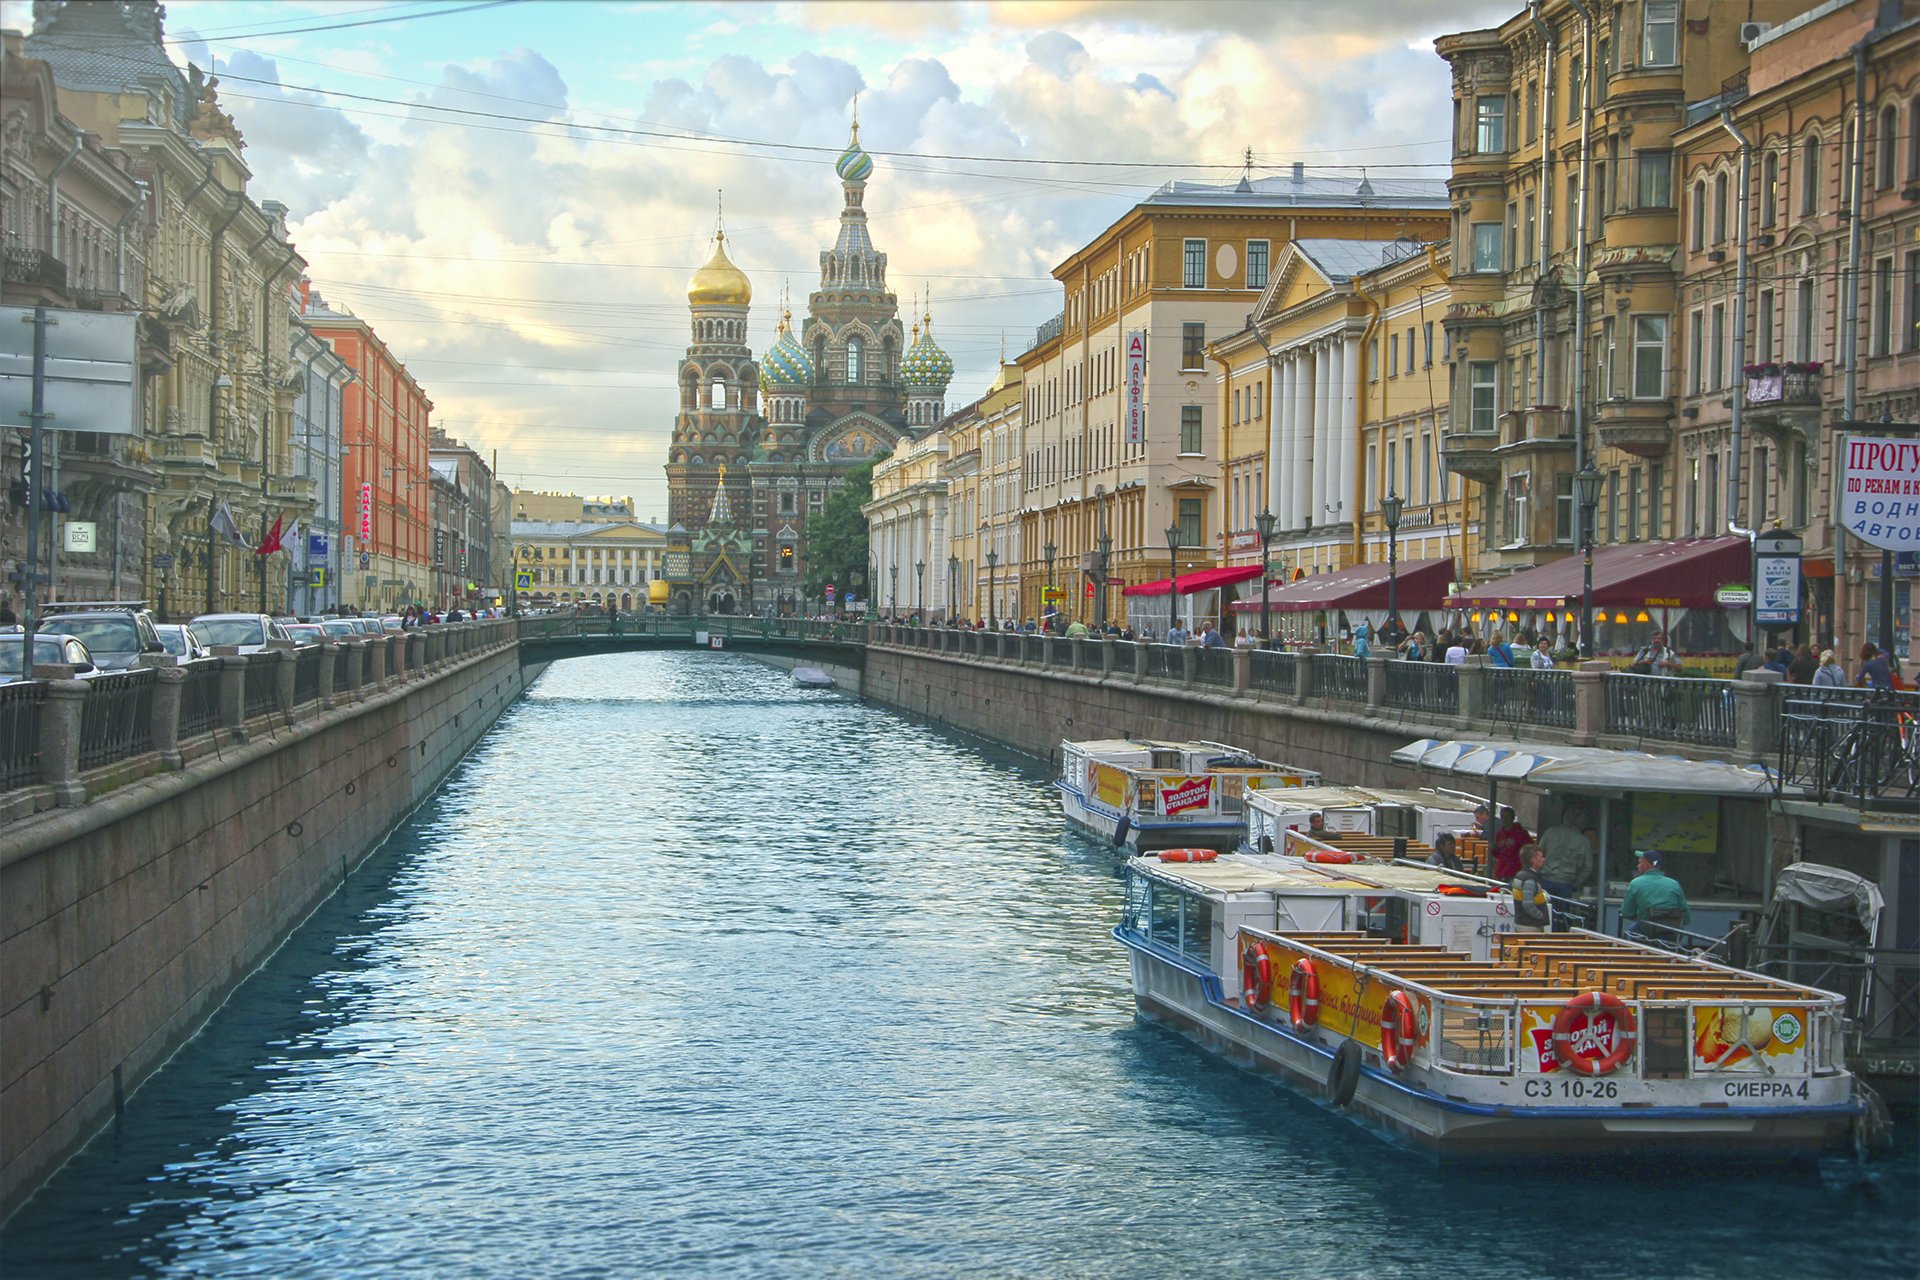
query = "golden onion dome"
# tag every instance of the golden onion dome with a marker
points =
(719, 282)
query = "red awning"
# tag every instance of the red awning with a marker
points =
(1198, 580)
(1420, 585)
(1678, 575)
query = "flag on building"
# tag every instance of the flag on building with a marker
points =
(270, 543)
(291, 538)
(224, 526)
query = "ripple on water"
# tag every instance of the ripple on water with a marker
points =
(686, 972)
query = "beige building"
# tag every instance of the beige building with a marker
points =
(908, 528)
(541, 504)
(587, 562)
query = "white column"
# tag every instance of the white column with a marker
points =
(1301, 476)
(1349, 439)
(1283, 464)
(1271, 499)
(1331, 399)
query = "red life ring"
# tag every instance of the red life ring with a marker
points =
(1256, 977)
(1399, 1028)
(1189, 855)
(1339, 857)
(1592, 1007)
(1303, 995)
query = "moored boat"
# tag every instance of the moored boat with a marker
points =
(1415, 817)
(1407, 998)
(1148, 794)
(812, 678)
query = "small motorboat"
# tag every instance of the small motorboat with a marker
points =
(812, 678)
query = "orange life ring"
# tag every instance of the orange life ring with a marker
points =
(1593, 1006)
(1256, 977)
(1303, 995)
(1339, 857)
(1399, 1028)
(1189, 855)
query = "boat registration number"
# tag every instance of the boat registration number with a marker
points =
(1545, 1088)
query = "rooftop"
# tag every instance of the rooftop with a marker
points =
(1307, 188)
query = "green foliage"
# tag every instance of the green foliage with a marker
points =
(834, 545)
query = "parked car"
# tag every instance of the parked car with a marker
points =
(367, 626)
(183, 641)
(339, 628)
(304, 632)
(116, 634)
(249, 631)
(392, 622)
(48, 647)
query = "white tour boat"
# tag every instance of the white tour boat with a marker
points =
(1149, 794)
(1407, 998)
(1415, 816)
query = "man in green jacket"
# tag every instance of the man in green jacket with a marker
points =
(1654, 897)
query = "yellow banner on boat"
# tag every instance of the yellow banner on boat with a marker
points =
(1109, 785)
(1350, 1003)
(1763, 1039)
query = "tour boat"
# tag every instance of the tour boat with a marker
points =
(1148, 794)
(1408, 999)
(1417, 817)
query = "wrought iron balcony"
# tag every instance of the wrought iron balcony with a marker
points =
(1783, 386)
(35, 268)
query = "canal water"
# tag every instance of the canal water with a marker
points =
(689, 972)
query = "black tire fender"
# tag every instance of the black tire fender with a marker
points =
(1343, 1077)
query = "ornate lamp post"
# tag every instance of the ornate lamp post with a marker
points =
(873, 585)
(920, 588)
(993, 617)
(1173, 575)
(953, 585)
(893, 591)
(1102, 559)
(1265, 522)
(1586, 492)
(1390, 512)
(1048, 551)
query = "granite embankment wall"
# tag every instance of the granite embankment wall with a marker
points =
(126, 921)
(1031, 709)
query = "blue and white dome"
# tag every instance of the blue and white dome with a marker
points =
(854, 165)
(786, 363)
(925, 366)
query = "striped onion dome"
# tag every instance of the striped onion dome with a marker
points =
(786, 363)
(926, 366)
(854, 165)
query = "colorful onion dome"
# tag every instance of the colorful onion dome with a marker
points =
(719, 282)
(854, 165)
(786, 363)
(926, 366)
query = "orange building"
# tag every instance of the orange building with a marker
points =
(387, 483)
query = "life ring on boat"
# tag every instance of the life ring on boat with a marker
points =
(1343, 1077)
(1188, 855)
(1592, 1006)
(1399, 1028)
(1256, 978)
(1339, 857)
(1303, 995)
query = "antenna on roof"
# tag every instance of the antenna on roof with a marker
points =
(1366, 188)
(1246, 172)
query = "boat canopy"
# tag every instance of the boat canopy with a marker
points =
(1419, 586)
(1830, 889)
(1588, 769)
(1677, 575)
(1199, 580)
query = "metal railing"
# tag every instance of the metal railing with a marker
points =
(344, 669)
(1331, 675)
(1431, 688)
(116, 719)
(306, 675)
(1864, 752)
(1273, 670)
(1213, 666)
(1167, 661)
(199, 696)
(261, 685)
(20, 704)
(1670, 708)
(1522, 696)
(1881, 984)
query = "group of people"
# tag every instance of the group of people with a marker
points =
(1877, 669)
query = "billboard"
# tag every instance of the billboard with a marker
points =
(89, 372)
(1136, 368)
(1880, 492)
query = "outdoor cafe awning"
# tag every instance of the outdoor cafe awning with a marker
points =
(1678, 575)
(1199, 580)
(1588, 769)
(1422, 585)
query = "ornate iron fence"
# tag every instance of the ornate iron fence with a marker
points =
(1273, 670)
(262, 685)
(1670, 708)
(1167, 661)
(199, 697)
(116, 718)
(1214, 667)
(1432, 688)
(1331, 675)
(306, 675)
(20, 732)
(1862, 752)
(1521, 696)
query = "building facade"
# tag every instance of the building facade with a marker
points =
(314, 559)
(908, 527)
(586, 562)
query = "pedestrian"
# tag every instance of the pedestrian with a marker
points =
(1875, 673)
(1362, 639)
(1499, 652)
(1656, 657)
(1569, 857)
(1780, 662)
(1415, 649)
(1076, 628)
(1829, 674)
(1443, 855)
(1508, 843)
(1210, 637)
(1748, 660)
(1542, 659)
(1803, 666)
(7, 618)
(1177, 634)
(1654, 897)
(1531, 912)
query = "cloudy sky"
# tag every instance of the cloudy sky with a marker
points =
(515, 193)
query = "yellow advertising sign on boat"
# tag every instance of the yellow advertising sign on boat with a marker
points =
(1109, 784)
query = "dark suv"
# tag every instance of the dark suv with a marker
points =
(116, 635)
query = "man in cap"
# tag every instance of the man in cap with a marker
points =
(1654, 897)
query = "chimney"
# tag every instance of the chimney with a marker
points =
(306, 295)
(1299, 173)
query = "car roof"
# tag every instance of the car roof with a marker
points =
(213, 617)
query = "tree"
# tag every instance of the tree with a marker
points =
(835, 542)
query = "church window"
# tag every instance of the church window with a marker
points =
(855, 349)
(786, 503)
(718, 396)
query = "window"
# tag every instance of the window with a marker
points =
(1490, 124)
(1654, 172)
(1882, 307)
(1690, 508)
(1720, 209)
(1711, 497)
(1486, 246)
(1609, 383)
(1257, 264)
(1613, 507)
(1599, 206)
(1193, 274)
(1804, 322)
(1426, 468)
(1428, 331)
(1810, 175)
(1409, 348)
(1393, 355)
(1717, 360)
(1769, 188)
(1373, 361)
(1910, 336)
(1660, 33)
(856, 370)
(1650, 357)
(1533, 108)
(1237, 393)
(1763, 329)
(1573, 88)
(1513, 512)
(1798, 480)
(1529, 230)
(1633, 504)
(717, 395)
(1190, 535)
(1256, 402)
(1513, 236)
(1190, 429)
(1602, 68)
(1758, 488)
(1572, 206)
(1696, 354)
(1698, 239)
(1193, 346)
(1482, 395)
(1883, 153)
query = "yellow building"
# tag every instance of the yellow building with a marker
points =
(983, 494)
(1174, 273)
(588, 561)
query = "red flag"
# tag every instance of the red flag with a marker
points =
(270, 543)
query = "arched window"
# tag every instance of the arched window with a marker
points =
(1884, 153)
(855, 350)
(1769, 188)
(1720, 209)
(717, 395)
(1913, 140)
(1810, 175)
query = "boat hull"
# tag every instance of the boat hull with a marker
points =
(1118, 829)
(1188, 1000)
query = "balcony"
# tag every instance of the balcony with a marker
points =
(1470, 455)
(186, 452)
(294, 490)
(1784, 400)
(1643, 428)
(34, 269)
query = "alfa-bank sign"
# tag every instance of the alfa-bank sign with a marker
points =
(1880, 492)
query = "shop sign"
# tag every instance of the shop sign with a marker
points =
(81, 535)
(1137, 386)
(366, 511)
(1733, 597)
(1880, 492)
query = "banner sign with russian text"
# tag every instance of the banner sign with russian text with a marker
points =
(1179, 795)
(366, 512)
(1137, 386)
(1880, 492)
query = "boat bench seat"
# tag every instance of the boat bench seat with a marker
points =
(1747, 993)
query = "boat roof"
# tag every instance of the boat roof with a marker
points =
(1336, 797)
(1267, 872)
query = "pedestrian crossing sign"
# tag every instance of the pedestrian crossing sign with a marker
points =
(523, 579)
(319, 576)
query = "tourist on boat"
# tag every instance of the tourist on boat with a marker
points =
(1569, 857)
(1829, 674)
(1654, 897)
(1316, 824)
(1443, 855)
(1531, 913)
(1483, 823)
(1507, 845)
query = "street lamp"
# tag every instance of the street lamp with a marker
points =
(1173, 576)
(1264, 522)
(1048, 551)
(1390, 512)
(1586, 490)
(893, 592)
(953, 586)
(1101, 561)
(873, 581)
(920, 589)
(993, 616)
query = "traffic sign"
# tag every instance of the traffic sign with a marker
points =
(366, 560)
(163, 560)
(829, 591)
(319, 572)
(523, 580)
